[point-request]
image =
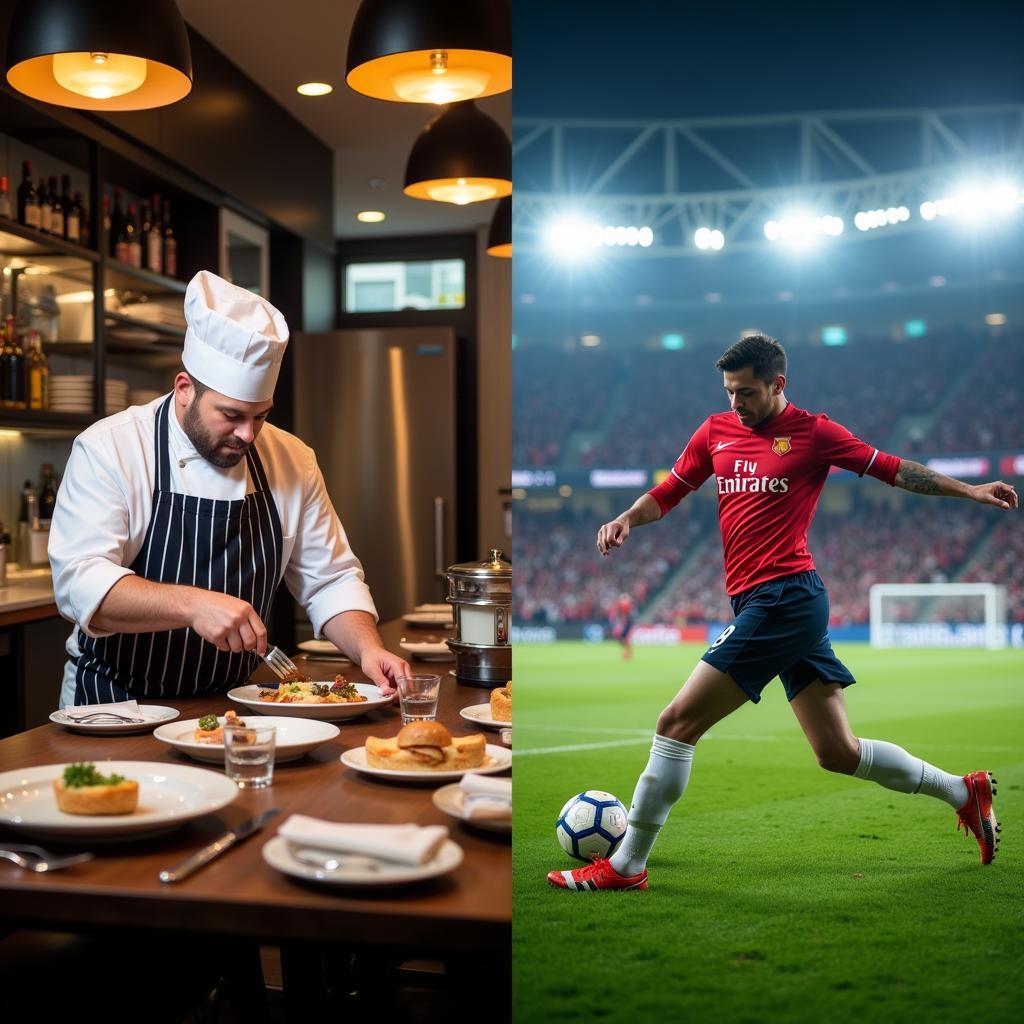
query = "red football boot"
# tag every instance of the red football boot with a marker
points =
(977, 815)
(598, 875)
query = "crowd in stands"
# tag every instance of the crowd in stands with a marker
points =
(553, 394)
(560, 577)
(967, 390)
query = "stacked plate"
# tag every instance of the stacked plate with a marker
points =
(142, 397)
(73, 393)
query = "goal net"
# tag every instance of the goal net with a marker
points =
(938, 615)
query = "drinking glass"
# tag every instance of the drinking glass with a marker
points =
(417, 695)
(249, 756)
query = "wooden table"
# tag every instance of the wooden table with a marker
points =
(239, 894)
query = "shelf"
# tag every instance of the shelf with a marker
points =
(120, 275)
(18, 240)
(81, 349)
(175, 333)
(29, 421)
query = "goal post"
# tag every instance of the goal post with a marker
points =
(938, 615)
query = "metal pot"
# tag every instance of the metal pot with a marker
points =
(481, 596)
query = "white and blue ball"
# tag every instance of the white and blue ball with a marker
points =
(591, 824)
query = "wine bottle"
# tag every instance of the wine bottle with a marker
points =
(116, 225)
(38, 371)
(6, 353)
(5, 200)
(44, 206)
(66, 202)
(47, 493)
(28, 198)
(145, 227)
(131, 230)
(154, 240)
(73, 222)
(170, 243)
(56, 210)
(12, 370)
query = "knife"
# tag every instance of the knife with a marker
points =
(217, 847)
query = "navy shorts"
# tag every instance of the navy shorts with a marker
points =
(781, 629)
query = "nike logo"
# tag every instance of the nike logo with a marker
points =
(724, 444)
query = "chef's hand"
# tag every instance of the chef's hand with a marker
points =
(384, 668)
(228, 623)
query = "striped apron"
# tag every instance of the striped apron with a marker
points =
(229, 547)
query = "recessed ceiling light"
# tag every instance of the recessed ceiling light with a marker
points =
(315, 88)
(370, 216)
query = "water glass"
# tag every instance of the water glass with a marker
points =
(417, 695)
(249, 755)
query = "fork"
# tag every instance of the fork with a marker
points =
(93, 715)
(35, 858)
(281, 665)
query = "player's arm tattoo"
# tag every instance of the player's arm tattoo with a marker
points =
(912, 476)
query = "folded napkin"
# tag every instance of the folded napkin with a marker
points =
(124, 707)
(485, 797)
(403, 844)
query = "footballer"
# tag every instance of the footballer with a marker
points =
(770, 461)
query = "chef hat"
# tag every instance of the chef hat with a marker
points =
(234, 341)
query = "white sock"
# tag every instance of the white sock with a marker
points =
(891, 766)
(662, 783)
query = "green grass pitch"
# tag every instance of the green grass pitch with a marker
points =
(779, 892)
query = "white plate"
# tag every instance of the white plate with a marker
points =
(428, 618)
(322, 647)
(169, 796)
(295, 738)
(443, 606)
(496, 759)
(155, 714)
(277, 852)
(249, 696)
(480, 714)
(427, 652)
(452, 800)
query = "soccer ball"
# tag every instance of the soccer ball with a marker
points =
(591, 824)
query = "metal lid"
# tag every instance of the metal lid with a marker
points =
(496, 568)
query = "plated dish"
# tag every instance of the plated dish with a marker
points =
(169, 796)
(248, 696)
(324, 648)
(451, 800)
(296, 737)
(480, 714)
(355, 870)
(496, 759)
(155, 715)
(436, 618)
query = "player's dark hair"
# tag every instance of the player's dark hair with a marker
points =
(764, 355)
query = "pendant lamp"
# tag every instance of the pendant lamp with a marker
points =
(412, 51)
(100, 55)
(462, 156)
(499, 238)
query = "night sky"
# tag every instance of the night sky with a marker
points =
(647, 59)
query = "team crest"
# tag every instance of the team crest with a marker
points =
(781, 446)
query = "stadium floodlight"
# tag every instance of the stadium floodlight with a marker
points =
(590, 340)
(802, 229)
(976, 202)
(646, 236)
(866, 220)
(673, 342)
(572, 238)
(708, 238)
(915, 329)
(833, 334)
(927, 210)
(995, 319)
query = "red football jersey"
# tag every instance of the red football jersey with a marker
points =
(769, 479)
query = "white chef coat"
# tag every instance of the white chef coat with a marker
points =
(106, 500)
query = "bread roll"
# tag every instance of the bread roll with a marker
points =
(424, 747)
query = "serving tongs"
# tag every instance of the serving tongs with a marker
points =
(109, 715)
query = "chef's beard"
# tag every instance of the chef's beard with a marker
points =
(206, 444)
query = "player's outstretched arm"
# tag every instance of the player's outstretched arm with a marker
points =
(612, 535)
(912, 476)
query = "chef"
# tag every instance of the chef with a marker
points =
(176, 521)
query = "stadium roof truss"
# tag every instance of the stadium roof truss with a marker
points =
(735, 174)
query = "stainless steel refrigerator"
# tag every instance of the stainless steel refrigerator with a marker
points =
(378, 406)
